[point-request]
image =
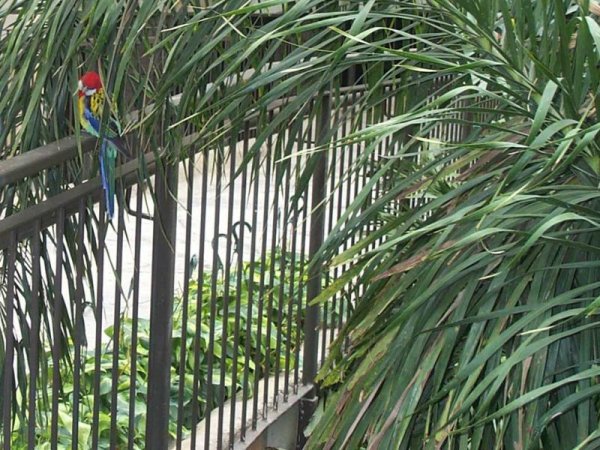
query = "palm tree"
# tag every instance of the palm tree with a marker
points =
(476, 324)
(475, 302)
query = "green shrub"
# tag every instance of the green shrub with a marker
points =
(125, 351)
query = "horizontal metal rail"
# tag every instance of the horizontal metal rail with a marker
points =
(24, 221)
(51, 155)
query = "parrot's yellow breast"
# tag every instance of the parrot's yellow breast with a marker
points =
(96, 102)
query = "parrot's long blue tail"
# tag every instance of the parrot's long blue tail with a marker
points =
(108, 156)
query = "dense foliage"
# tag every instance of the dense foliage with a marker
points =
(257, 346)
(476, 326)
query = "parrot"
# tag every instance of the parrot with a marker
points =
(91, 102)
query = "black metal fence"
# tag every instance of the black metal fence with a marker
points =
(200, 347)
(188, 316)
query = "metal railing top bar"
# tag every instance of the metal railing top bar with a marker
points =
(50, 155)
(23, 221)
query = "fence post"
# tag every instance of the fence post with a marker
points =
(310, 362)
(317, 231)
(161, 306)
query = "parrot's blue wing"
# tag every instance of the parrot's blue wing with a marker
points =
(93, 120)
(118, 142)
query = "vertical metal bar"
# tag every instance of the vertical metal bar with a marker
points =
(238, 301)
(302, 269)
(295, 266)
(35, 332)
(317, 231)
(323, 322)
(317, 228)
(269, 315)
(213, 303)
(283, 267)
(79, 333)
(161, 310)
(114, 405)
(392, 147)
(246, 389)
(372, 170)
(261, 287)
(290, 306)
(327, 325)
(186, 294)
(56, 318)
(98, 313)
(7, 388)
(390, 143)
(352, 182)
(199, 291)
(226, 283)
(381, 182)
(342, 170)
(294, 167)
(134, 317)
(359, 182)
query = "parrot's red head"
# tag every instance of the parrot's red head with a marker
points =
(89, 84)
